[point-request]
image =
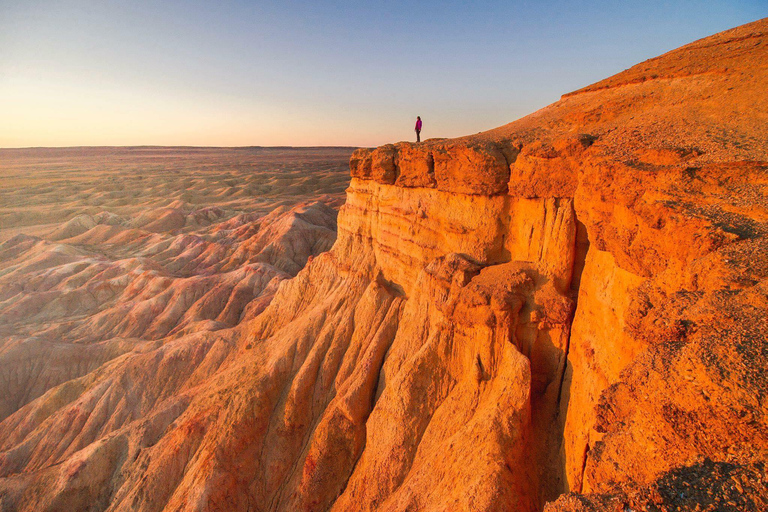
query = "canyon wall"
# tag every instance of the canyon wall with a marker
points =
(565, 313)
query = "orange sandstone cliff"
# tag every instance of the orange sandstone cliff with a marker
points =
(566, 313)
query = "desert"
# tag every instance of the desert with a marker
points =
(157, 241)
(565, 313)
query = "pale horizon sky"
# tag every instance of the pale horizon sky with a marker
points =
(300, 73)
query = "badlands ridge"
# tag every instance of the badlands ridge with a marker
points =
(566, 313)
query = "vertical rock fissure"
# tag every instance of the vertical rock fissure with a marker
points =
(583, 468)
(580, 257)
(581, 249)
(565, 363)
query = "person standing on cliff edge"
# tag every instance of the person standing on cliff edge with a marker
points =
(418, 128)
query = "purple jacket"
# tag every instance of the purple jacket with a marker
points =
(418, 125)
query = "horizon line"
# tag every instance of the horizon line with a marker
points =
(160, 146)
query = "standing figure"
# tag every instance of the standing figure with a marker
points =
(418, 128)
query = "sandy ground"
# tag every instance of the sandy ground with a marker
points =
(41, 187)
(114, 247)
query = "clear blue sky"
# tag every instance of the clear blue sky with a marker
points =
(306, 73)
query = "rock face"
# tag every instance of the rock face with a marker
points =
(567, 313)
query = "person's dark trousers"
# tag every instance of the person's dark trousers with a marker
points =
(418, 136)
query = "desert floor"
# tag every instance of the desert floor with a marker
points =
(42, 187)
(105, 249)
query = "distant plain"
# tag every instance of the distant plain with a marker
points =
(41, 187)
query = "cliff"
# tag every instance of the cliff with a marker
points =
(564, 313)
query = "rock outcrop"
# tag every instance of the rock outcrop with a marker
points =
(567, 313)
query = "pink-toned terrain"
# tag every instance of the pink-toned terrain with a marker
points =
(107, 250)
(566, 313)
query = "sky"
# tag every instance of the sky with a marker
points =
(301, 73)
